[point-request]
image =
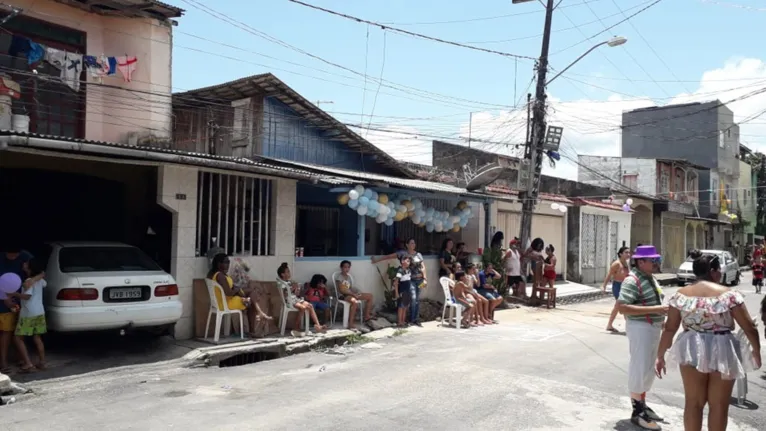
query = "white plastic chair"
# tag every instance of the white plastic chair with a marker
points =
(455, 309)
(212, 286)
(346, 304)
(286, 309)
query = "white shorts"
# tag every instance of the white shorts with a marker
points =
(644, 341)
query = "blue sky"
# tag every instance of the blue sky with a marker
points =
(675, 40)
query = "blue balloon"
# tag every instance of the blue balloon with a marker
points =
(389, 221)
(373, 205)
(363, 201)
(368, 194)
(353, 204)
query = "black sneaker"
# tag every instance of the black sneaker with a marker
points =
(417, 323)
(652, 415)
(641, 418)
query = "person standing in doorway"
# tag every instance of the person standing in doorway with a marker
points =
(617, 272)
(641, 303)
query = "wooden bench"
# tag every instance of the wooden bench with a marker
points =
(544, 295)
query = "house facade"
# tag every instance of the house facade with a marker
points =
(260, 118)
(672, 185)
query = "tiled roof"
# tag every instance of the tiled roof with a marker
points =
(543, 196)
(602, 205)
(268, 84)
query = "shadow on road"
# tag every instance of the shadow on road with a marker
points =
(72, 354)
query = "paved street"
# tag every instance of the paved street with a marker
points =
(537, 370)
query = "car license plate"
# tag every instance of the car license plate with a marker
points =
(126, 293)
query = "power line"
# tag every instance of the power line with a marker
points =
(411, 33)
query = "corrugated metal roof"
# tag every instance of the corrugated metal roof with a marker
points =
(269, 85)
(186, 157)
(543, 196)
(345, 176)
(127, 8)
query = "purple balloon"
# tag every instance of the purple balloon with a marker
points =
(9, 283)
(626, 207)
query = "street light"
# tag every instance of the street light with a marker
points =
(615, 41)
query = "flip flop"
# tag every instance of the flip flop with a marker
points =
(27, 370)
(613, 330)
(6, 370)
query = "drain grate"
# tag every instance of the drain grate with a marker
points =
(248, 358)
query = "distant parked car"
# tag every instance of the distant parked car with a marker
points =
(730, 272)
(94, 286)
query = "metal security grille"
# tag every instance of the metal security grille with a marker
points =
(588, 239)
(602, 244)
(234, 213)
(427, 243)
(614, 245)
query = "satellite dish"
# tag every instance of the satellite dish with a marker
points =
(486, 175)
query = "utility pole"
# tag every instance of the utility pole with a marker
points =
(534, 148)
(470, 123)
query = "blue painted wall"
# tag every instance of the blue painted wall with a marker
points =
(286, 135)
(347, 220)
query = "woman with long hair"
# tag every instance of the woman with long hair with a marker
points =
(534, 254)
(237, 297)
(619, 269)
(710, 357)
(446, 258)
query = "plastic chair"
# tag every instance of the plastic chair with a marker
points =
(286, 309)
(455, 309)
(212, 286)
(346, 304)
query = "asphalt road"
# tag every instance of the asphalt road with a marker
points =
(537, 370)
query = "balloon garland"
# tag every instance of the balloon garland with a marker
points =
(387, 209)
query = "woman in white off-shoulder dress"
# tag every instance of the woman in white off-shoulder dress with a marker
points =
(710, 356)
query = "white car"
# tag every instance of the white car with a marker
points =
(730, 273)
(95, 286)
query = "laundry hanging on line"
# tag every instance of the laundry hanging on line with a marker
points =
(72, 64)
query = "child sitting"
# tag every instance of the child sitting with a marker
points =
(317, 295)
(466, 300)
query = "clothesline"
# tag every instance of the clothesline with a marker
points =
(71, 64)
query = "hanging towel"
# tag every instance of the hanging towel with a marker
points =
(112, 61)
(97, 67)
(36, 53)
(70, 65)
(127, 65)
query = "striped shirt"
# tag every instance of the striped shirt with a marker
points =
(647, 295)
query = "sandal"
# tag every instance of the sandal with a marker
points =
(613, 330)
(6, 370)
(41, 366)
(27, 369)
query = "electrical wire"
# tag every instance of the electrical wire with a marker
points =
(411, 33)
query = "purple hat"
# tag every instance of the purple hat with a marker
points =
(645, 252)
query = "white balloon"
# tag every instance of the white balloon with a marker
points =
(454, 219)
(359, 189)
(445, 214)
(438, 228)
(381, 218)
(362, 210)
(554, 206)
(563, 208)
(391, 205)
(629, 201)
(353, 195)
(416, 219)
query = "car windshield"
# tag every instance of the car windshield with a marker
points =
(105, 259)
(720, 256)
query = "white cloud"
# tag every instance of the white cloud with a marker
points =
(592, 126)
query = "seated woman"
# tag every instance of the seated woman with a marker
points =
(488, 290)
(352, 295)
(318, 296)
(289, 291)
(237, 298)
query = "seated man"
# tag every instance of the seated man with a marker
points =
(352, 294)
(488, 290)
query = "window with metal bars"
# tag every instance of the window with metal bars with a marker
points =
(53, 108)
(234, 213)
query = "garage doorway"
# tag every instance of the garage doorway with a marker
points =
(63, 199)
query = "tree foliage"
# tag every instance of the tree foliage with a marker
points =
(758, 163)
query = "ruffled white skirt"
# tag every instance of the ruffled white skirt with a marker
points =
(727, 354)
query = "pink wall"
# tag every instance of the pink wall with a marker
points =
(111, 114)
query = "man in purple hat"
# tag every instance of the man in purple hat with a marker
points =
(641, 303)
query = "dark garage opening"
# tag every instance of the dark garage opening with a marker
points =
(60, 199)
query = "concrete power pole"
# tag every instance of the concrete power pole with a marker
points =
(534, 148)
